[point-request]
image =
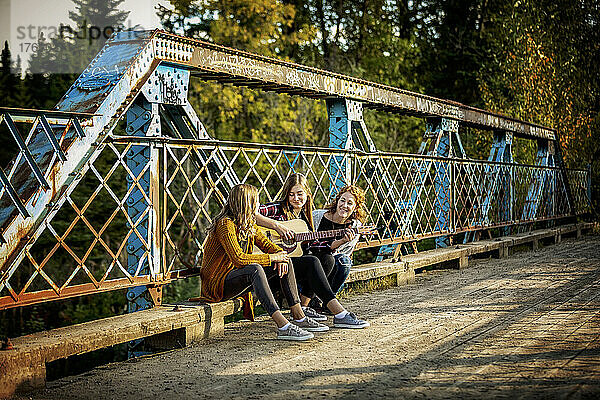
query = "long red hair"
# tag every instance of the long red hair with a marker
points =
(360, 211)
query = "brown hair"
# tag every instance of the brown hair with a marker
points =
(240, 208)
(359, 212)
(290, 182)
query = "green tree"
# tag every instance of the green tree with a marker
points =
(13, 94)
(542, 66)
(239, 113)
(371, 40)
(451, 38)
(61, 59)
(10, 82)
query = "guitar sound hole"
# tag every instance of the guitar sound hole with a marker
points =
(289, 242)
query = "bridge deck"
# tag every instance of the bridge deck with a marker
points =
(525, 325)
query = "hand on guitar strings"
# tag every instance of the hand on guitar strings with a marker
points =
(348, 235)
(284, 232)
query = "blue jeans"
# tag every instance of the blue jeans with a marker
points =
(340, 273)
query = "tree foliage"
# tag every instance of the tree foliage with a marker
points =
(542, 65)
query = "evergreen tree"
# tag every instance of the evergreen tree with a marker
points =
(53, 69)
(9, 78)
(11, 95)
(451, 40)
(62, 59)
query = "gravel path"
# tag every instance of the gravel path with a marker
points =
(526, 326)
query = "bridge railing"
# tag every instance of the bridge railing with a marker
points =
(87, 247)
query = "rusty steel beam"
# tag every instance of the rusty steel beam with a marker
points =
(94, 105)
(227, 64)
(48, 113)
(41, 296)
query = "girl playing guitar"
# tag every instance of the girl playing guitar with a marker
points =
(296, 202)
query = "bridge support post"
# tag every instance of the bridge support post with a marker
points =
(505, 140)
(440, 131)
(340, 137)
(347, 130)
(589, 184)
(502, 182)
(143, 240)
(438, 140)
(542, 180)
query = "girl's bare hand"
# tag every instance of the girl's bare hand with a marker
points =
(282, 256)
(285, 233)
(349, 235)
(282, 268)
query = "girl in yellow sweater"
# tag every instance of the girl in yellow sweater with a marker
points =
(230, 270)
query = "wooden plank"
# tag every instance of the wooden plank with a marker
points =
(24, 366)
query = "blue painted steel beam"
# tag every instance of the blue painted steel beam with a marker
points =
(501, 151)
(504, 179)
(50, 135)
(140, 119)
(442, 187)
(78, 128)
(437, 141)
(542, 178)
(589, 184)
(339, 138)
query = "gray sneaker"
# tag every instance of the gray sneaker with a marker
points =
(350, 321)
(310, 312)
(293, 332)
(311, 325)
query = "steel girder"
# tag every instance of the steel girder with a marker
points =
(542, 180)
(501, 189)
(143, 244)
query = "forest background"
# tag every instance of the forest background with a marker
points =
(534, 60)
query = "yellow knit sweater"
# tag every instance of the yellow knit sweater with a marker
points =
(222, 253)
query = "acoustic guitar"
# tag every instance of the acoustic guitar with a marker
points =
(303, 234)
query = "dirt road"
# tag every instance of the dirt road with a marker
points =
(525, 326)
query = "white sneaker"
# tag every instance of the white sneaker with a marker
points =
(310, 312)
(294, 332)
(310, 325)
(350, 321)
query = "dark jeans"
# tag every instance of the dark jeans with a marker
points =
(328, 264)
(343, 263)
(312, 278)
(256, 277)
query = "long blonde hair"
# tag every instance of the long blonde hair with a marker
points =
(241, 209)
(290, 182)
(359, 212)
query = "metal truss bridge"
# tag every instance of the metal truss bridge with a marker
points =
(130, 210)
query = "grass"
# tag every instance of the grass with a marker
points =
(370, 285)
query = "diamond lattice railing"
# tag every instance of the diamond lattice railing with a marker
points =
(195, 189)
(579, 182)
(84, 248)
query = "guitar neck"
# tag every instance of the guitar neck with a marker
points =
(301, 237)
